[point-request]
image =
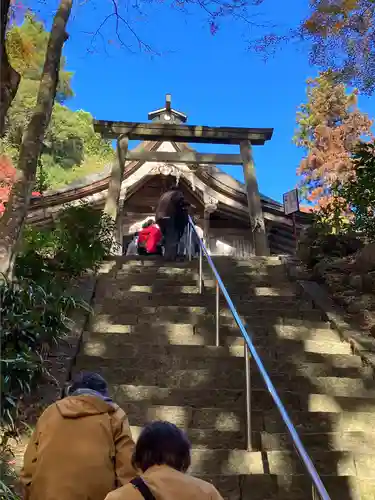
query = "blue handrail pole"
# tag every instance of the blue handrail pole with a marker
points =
(317, 483)
(190, 232)
(200, 269)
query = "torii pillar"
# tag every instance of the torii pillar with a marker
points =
(257, 225)
(111, 207)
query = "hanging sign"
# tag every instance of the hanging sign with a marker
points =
(291, 202)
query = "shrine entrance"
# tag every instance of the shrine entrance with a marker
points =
(169, 125)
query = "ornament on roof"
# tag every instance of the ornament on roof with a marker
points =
(167, 114)
(166, 169)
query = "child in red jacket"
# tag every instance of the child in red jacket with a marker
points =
(149, 239)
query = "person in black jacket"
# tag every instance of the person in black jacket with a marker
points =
(172, 218)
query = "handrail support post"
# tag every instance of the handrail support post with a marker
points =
(315, 495)
(217, 314)
(248, 399)
(200, 269)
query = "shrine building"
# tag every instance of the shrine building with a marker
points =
(232, 217)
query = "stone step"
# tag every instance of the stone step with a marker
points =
(213, 376)
(278, 310)
(152, 260)
(320, 422)
(126, 394)
(202, 322)
(203, 333)
(274, 266)
(112, 285)
(189, 340)
(231, 399)
(132, 346)
(288, 487)
(147, 356)
(147, 261)
(159, 282)
(245, 266)
(300, 333)
(159, 272)
(117, 371)
(105, 296)
(355, 442)
(246, 280)
(257, 261)
(235, 344)
(270, 423)
(242, 283)
(327, 463)
(208, 438)
(178, 269)
(215, 418)
(203, 314)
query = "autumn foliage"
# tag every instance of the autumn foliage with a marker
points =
(330, 126)
(7, 178)
(342, 33)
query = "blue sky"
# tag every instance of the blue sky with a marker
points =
(215, 80)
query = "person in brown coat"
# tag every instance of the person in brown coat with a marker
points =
(162, 455)
(81, 447)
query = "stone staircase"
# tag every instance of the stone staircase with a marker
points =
(153, 337)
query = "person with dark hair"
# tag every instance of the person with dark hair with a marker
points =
(172, 217)
(81, 447)
(162, 456)
(148, 223)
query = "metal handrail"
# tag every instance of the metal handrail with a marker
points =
(318, 487)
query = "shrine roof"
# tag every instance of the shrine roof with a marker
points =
(216, 173)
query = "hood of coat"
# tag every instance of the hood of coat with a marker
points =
(84, 405)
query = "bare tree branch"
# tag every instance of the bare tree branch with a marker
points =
(215, 11)
(141, 44)
(119, 20)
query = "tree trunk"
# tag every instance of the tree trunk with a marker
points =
(13, 220)
(10, 79)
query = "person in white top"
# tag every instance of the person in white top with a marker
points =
(133, 246)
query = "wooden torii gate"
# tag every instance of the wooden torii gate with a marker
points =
(155, 131)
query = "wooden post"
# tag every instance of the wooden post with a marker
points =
(114, 187)
(119, 232)
(295, 230)
(260, 243)
(210, 206)
(117, 172)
